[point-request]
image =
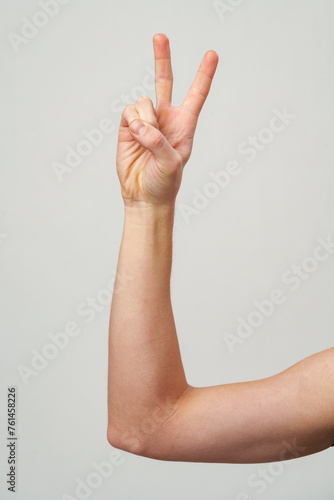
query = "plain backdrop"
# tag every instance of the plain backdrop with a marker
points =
(234, 244)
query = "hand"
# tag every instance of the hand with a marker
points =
(154, 144)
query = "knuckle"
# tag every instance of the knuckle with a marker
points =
(177, 163)
(163, 79)
(128, 109)
(143, 98)
(158, 141)
(198, 91)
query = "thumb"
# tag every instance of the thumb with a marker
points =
(152, 139)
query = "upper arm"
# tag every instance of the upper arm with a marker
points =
(286, 415)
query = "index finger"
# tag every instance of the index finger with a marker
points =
(200, 87)
(163, 70)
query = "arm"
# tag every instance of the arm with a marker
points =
(152, 410)
(146, 375)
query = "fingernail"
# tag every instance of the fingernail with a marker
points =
(137, 127)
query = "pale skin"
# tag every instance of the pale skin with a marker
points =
(152, 410)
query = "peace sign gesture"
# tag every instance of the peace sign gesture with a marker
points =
(154, 144)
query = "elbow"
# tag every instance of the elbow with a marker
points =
(126, 439)
(155, 444)
(113, 437)
(153, 436)
(155, 447)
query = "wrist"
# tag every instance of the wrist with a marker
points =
(146, 214)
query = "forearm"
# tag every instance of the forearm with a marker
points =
(146, 375)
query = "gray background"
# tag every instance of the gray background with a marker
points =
(59, 241)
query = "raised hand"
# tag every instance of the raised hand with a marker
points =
(154, 144)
